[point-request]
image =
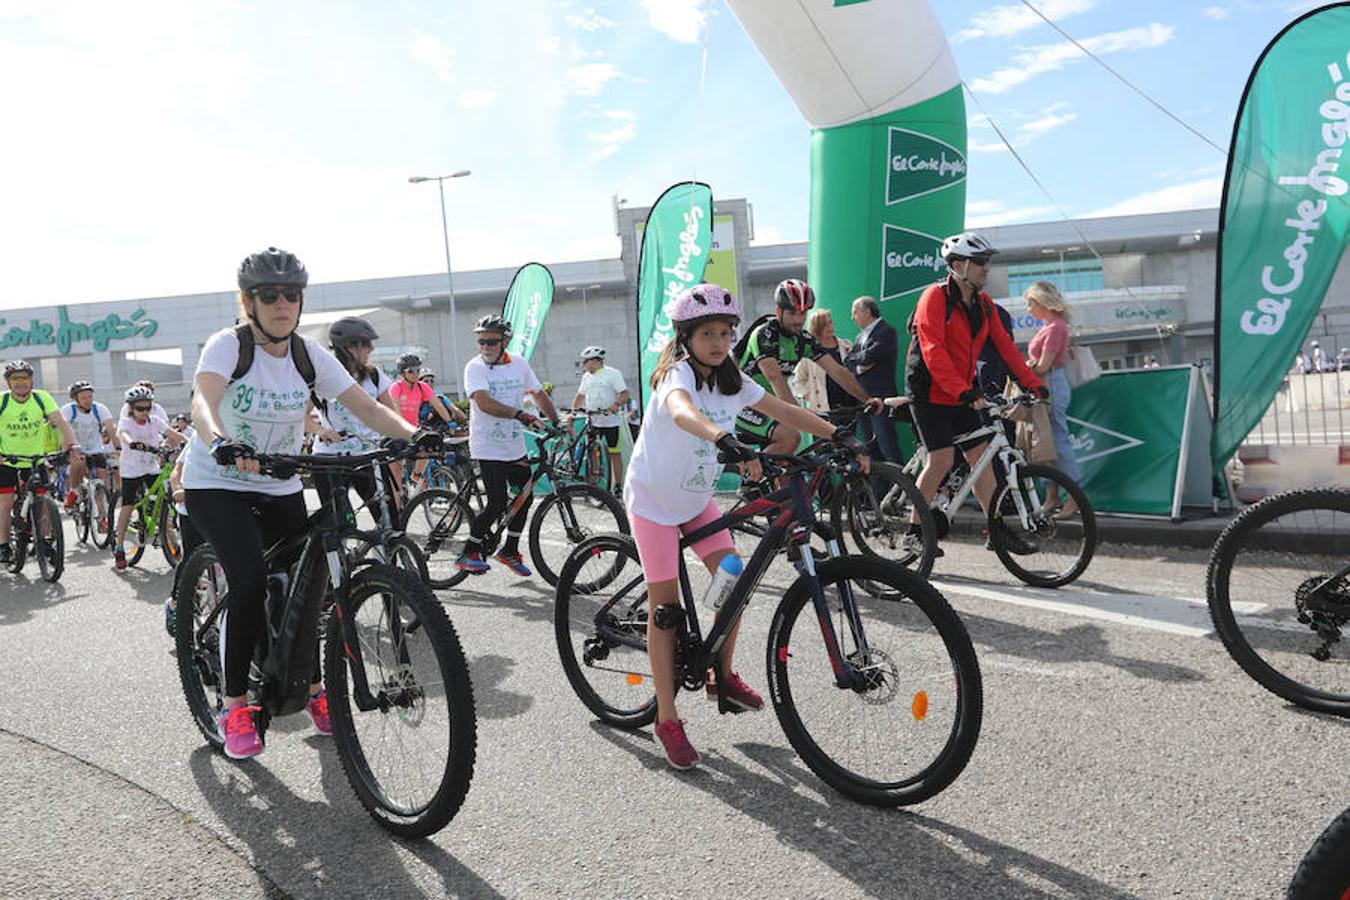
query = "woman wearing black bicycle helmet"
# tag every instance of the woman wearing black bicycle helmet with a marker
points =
(260, 409)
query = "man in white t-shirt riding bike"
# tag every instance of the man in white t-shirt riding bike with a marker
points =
(604, 394)
(95, 429)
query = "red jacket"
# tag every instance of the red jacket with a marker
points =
(946, 340)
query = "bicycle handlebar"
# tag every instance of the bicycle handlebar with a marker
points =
(58, 458)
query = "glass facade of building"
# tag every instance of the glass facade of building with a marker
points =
(1070, 275)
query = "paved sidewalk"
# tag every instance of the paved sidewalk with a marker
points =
(70, 829)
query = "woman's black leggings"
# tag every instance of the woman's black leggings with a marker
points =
(497, 474)
(239, 525)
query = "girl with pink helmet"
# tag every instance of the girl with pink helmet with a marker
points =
(697, 392)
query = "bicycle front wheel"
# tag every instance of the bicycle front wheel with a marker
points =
(101, 517)
(402, 552)
(877, 510)
(1050, 547)
(410, 758)
(49, 538)
(138, 534)
(1325, 870)
(1279, 595)
(438, 522)
(567, 517)
(80, 514)
(170, 538)
(198, 603)
(600, 623)
(908, 725)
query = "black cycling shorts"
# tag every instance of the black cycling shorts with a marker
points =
(134, 488)
(611, 435)
(938, 425)
(9, 479)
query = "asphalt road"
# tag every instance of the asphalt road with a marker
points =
(1122, 755)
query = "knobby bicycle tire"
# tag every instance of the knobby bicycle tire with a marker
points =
(139, 532)
(50, 551)
(879, 532)
(18, 541)
(595, 512)
(437, 521)
(102, 526)
(1291, 645)
(1325, 870)
(409, 556)
(920, 694)
(407, 616)
(603, 576)
(1060, 551)
(170, 537)
(80, 514)
(200, 586)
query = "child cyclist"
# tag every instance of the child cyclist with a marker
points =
(697, 392)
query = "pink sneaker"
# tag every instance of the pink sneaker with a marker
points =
(739, 694)
(679, 752)
(318, 711)
(241, 735)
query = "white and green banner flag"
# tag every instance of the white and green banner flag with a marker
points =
(877, 83)
(527, 303)
(676, 241)
(1285, 216)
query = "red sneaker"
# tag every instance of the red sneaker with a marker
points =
(241, 734)
(739, 694)
(318, 712)
(679, 752)
(70, 500)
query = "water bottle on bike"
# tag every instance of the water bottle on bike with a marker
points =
(728, 570)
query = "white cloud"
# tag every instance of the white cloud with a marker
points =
(610, 141)
(431, 51)
(623, 115)
(1052, 57)
(983, 215)
(473, 98)
(982, 147)
(589, 20)
(1005, 21)
(681, 20)
(587, 80)
(1047, 120)
(1203, 193)
(1214, 12)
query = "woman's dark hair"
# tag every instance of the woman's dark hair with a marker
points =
(344, 355)
(725, 378)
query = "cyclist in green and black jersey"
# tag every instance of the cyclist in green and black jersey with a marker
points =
(771, 354)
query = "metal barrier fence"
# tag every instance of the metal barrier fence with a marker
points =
(1310, 409)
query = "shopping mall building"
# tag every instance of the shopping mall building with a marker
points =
(1147, 291)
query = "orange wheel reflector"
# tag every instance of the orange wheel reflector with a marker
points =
(920, 705)
(634, 678)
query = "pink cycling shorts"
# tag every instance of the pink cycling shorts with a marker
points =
(659, 545)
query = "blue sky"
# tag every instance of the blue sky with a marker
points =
(152, 144)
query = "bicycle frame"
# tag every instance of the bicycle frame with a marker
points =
(789, 505)
(151, 502)
(996, 448)
(543, 466)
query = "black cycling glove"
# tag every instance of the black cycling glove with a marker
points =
(428, 439)
(733, 451)
(969, 395)
(226, 452)
(844, 437)
(1043, 392)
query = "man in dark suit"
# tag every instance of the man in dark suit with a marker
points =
(873, 359)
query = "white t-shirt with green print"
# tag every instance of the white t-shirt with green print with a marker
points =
(264, 409)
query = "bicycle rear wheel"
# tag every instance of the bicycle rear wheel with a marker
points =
(600, 624)
(80, 516)
(411, 758)
(201, 593)
(1048, 551)
(567, 517)
(438, 522)
(877, 510)
(907, 729)
(19, 537)
(138, 534)
(1325, 870)
(1280, 597)
(597, 465)
(101, 517)
(49, 538)
(170, 537)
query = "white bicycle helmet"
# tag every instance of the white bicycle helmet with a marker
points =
(138, 392)
(593, 353)
(966, 245)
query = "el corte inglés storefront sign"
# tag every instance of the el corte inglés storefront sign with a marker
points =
(65, 335)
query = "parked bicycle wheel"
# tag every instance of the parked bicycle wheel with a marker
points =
(101, 523)
(410, 759)
(49, 538)
(876, 512)
(565, 519)
(138, 535)
(1049, 551)
(201, 592)
(170, 536)
(438, 521)
(1324, 873)
(910, 728)
(601, 585)
(1278, 587)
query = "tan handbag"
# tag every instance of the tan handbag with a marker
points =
(1017, 412)
(1034, 438)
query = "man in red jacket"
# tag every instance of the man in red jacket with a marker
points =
(948, 330)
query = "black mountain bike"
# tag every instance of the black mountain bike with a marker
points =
(398, 684)
(35, 523)
(1279, 594)
(438, 521)
(1324, 873)
(885, 708)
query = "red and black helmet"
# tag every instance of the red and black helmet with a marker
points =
(794, 294)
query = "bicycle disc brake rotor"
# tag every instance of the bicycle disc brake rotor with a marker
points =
(878, 676)
(402, 692)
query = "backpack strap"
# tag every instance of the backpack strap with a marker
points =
(299, 356)
(245, 361)
(4, 402)
(42, 407)
(303, 364)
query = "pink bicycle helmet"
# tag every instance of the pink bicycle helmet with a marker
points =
(703, 301)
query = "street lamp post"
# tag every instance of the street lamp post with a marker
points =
(585, 317)
(449, 271)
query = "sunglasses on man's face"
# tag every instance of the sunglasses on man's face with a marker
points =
(269, 295)
(140, 408)
(19, 378)
(489, 342)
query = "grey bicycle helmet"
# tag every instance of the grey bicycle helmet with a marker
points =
(493, 323)
(272, 266)
(80, 386)
(409, 361)
(351, 330)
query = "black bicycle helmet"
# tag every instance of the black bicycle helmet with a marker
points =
(350, 330)
(493, 323)
(409, 361)
(15, 366)
(272, 266)
(78, 386)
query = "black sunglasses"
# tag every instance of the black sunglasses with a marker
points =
(269, 294)
(489, 342)
(140, 408)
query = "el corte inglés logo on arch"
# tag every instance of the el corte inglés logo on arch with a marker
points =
(910, 261)
(917, 165)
